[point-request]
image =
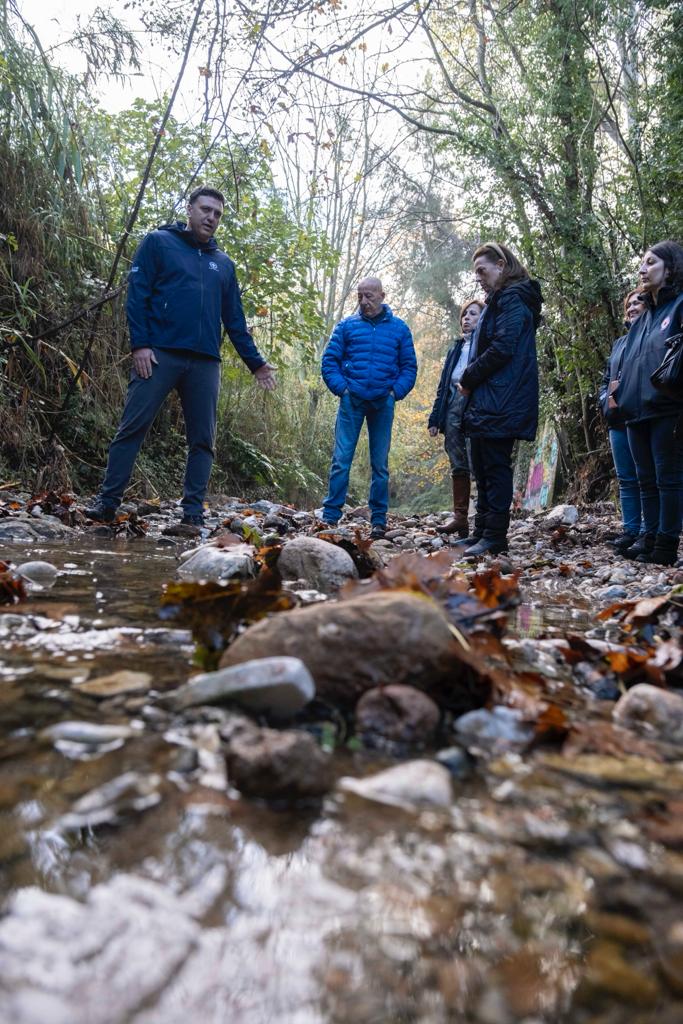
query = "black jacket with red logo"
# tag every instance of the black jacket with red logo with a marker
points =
(645, 347)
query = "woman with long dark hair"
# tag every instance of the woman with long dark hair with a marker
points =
(446, 417)
(501, 385)
(652, 416)
(627, 478)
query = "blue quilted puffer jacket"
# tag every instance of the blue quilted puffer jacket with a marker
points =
(370, 359)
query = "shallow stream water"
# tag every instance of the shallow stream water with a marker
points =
(550, 891)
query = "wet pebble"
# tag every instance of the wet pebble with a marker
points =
(652, 709)
(400, 714)
(415, 785)
(277, 765)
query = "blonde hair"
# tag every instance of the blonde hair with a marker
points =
(513, 269)
(466, 305)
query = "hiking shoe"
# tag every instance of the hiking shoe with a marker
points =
(100, 512)
(378, 532)
(195, 520)
(484, 546)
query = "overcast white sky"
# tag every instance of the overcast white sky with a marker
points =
(55, 22)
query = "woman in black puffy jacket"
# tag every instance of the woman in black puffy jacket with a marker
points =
(652, 417)
(501, 385)
(627, 477)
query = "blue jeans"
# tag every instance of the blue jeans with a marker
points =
(658, 455)
(197, 381)
(627, 478)
(352, 412)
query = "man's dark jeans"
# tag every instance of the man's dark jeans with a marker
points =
(197, 381)
(380, 417)
(492, 468)
(658, 455)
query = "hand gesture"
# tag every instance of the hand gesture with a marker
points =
(265, 377)
(433, 431)
(143, 358)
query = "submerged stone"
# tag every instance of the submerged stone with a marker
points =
(278, 765)
(415, 785)
(124, 681)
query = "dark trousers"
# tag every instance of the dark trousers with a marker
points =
(658, 455)
(197, 381)
(492, 469)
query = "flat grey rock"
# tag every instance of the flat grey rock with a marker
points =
(279, 686)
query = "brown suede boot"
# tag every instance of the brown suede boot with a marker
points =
(461, 504)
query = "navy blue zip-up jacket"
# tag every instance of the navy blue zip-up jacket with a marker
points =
(637, 397)
(439, 411)
(369, 358)
(179, 291)
(503, 373)
(612, 371)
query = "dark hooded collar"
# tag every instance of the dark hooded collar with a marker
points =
(180, 228)
(529, 291)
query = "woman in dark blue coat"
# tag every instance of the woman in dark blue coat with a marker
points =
(652, 417)
(446, 417)
(501, 383)
(627, 477)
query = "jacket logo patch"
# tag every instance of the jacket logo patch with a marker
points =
(665, 323)
(134, 270)
(212, 265)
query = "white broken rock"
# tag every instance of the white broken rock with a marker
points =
(209, 562)
(415, 785)
(280, 686)
(562, 515)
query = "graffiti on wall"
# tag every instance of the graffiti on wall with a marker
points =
(542, 471)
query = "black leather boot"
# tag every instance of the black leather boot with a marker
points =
(665, 551)
(622, 542)
(643, 546)
(487, 546)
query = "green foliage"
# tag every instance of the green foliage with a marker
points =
(271, 251)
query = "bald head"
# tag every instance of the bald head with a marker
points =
(370, 296)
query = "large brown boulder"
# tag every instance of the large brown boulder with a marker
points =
(372, 640)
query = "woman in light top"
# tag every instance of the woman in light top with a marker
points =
(446, 417)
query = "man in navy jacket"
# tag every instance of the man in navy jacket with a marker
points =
(180, 288)
(370, 363)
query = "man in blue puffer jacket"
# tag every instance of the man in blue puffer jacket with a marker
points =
(370, 363)
(180, 288)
